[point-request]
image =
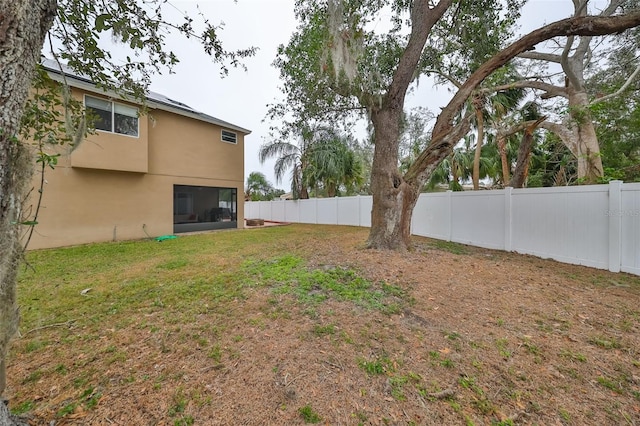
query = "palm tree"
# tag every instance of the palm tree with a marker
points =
(493, 109)
(323, 160)
(333, 164)
(258, 187)
(289, 156)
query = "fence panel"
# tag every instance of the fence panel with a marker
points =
(278, 213)
(291, 211)
(348, 211)
(567, 224)
(327, 211)
(308, 211)
(366, 205)
(432, 216)
(265, 209)
(252, 210)
(630, 235)
(477, 218)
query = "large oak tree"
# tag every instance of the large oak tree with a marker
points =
(336, 61)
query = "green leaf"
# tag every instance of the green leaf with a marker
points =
(101, 22)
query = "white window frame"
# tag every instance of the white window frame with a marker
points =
(229, 133)
(113, 116)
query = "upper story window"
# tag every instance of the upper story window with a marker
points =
(113, 117)
(230, 137)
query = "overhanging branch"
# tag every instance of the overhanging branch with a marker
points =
(620, 90)
(539, 56)
(586, 26)
(550, 89)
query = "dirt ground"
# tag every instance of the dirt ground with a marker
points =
(482, 337)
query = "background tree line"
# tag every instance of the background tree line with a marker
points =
(562, 113)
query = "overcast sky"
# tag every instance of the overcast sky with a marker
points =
(242, 97)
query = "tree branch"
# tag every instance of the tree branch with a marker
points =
(563, 133)
(504, 133)
(539, 56)
(582, 54)
(620, 90)
(437, 150)
(571, 26)
(586, 41)
(558, 129)
(550, 89)
(423, 18)
(567, 67)
(446, 76)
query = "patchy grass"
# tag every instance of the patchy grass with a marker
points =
(296, 324)
(309, 415)
(448, 246)
(289, 275)
(379, 365)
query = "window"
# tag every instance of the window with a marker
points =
(230, 137)
(113, 117)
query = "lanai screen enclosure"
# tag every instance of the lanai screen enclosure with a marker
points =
(201, 208)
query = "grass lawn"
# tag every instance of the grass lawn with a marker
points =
(300, 324)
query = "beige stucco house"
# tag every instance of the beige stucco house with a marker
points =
(171, 170)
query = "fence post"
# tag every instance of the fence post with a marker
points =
(507, 218)
(449, 214)
(614, 214)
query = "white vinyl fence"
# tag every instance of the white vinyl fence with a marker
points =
(597, 225)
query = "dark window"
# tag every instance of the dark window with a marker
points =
(101, 113)
(125, 120)
(198, 208)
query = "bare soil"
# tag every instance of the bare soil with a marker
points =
(482, 337)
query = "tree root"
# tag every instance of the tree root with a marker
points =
(59, 324)
(442, 394)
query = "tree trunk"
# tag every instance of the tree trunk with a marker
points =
(522, 164)
(479, 140)
(587, 148)
(502, 148)
(393, 198)
(524, 154)
(304, 193)
(23, 25)
(332, 190)
(455, 179)
(7, 419)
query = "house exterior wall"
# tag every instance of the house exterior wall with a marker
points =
(104, 150)
(194, 149)
(117, 187)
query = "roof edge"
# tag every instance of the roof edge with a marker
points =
(153, 100)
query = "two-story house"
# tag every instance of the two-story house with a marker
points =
(171, 170)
